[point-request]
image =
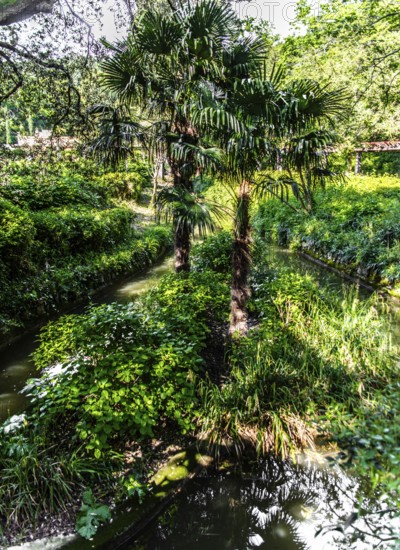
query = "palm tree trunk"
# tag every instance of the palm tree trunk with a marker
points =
(182, 248)
(182, 232)
(183, 178)
(241, 259)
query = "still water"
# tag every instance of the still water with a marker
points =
(271, 505)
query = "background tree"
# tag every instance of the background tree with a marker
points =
(18, 10)
(355, 45)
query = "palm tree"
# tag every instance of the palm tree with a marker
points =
(117, 135)
(264, 122)
(309, 115)
(189, 211)
(168, 67)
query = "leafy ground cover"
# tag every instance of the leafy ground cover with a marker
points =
(122, 376)
(113, 377)
(355, 226)
(67, 232)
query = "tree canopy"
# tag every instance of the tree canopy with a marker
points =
(13, 11)
(355, 45)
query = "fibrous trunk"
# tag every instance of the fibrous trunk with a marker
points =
(241, 259)
(182, 248)
(182, 173)
(182, 231)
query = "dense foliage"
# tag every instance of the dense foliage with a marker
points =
(66, 232)
(116, 374)
(356, 226)
(354, 44)
(201, 91)
(315, 362)
(313, 354)
(135, 370)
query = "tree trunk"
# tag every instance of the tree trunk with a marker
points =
(183, 172)
(241, 259)
(182, 248)
(182, 232)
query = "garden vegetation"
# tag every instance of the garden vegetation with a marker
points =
(67, 232)
(232, 351)
(354, 226)
(314, 364)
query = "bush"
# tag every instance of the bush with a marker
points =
(76, 277)
(113, 374)
(120, 370)
(57, 226)
(38, 479)
(127, 185)
(17, 233)
(51, 192)
(71, 232)
(355, 226)
(214, 254)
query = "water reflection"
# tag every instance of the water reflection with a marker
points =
(137, 286)
(271, 506)
(15, 368)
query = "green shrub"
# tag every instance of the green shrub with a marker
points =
(74, 278)
(214, 253)
(71, 232)
(39, 478)
(63, 230)
(17, 233)
(51, 192)
(120, 370)
(113, 374)
(125, 185)
(356, 226)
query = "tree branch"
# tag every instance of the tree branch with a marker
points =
(18, 74)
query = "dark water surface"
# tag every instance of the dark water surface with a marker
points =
(271, 505)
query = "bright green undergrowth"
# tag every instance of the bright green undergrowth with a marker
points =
(310, 358)
(64, 232)
(355, 225)
(116, 374)
(319, 362)
(120, 368)
(44, 293)
(314, 362)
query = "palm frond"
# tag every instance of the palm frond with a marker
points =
(117, 135)
(244, 57)
(306, 149)
(306, 101)
(188, 209)
(122, 74)
(205, 158)
(157, 33)
(209, 18)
